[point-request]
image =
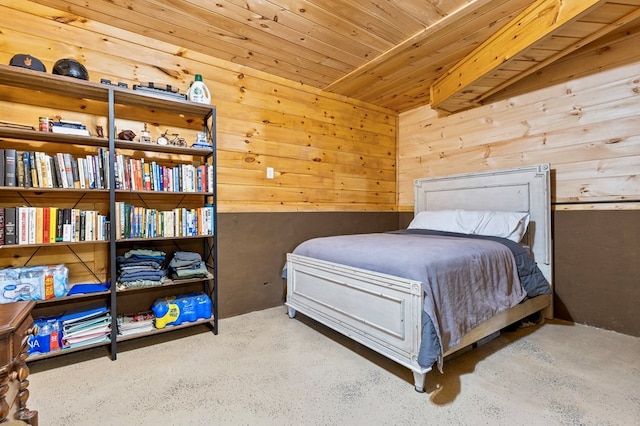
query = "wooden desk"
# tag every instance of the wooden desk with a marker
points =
(16, 325)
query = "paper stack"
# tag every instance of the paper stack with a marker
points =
(140, 322)
(86, 326)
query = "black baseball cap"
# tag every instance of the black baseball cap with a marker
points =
(27, 61)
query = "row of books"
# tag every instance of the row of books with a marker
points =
(140, 222)
(34, 169)
(136, 174)
(47, 225)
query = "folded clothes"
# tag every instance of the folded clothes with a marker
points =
(200, 271)
(121, 260)
(145, 253)
(139, 283)
(185, 258)
(139, 268)
(145, 275)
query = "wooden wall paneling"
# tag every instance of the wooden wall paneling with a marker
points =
(287, 124)
(588, 124)
(577, 103)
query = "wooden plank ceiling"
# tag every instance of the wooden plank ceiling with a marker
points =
(452, 54)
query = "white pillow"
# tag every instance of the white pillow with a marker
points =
(510, 225)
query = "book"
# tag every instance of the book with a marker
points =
(2, 167)
(97, 169)
(75, 315)
(22, 223)
(34, 170)
(83, 225)
(31, 225)
(139, 322)
(58, 166)
(48, 173)
(59, 224)
(26, 159)
(68, 167)
(39, 165)
(10, 178)
(1, 224)
(69, 129)
(19, 169)
(39, 227)
(146, 176)
(75, 173)
(66, 225)
(46, 222)
(10, 225)
(90, 173)
(53, 221)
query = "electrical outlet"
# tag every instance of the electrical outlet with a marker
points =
(270, 173)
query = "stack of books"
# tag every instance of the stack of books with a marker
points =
(70, 128)
(140, 322)
(86, 326)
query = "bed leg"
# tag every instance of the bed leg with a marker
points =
(418, 379)
(292, 312)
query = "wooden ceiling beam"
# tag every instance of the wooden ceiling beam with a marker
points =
(535, 23)
(583, 42)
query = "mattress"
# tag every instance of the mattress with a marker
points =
(466, 279)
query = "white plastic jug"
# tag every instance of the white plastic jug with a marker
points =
(199, 92)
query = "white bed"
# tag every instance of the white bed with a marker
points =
(383, 312)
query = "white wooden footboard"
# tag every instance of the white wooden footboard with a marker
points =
(377, 310)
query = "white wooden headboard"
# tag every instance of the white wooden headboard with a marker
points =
(518, 189)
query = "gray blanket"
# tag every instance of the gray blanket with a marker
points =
(465, 280)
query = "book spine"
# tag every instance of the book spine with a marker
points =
(10, 178)
(22, 220)
(46, 222)
(50, 177)
(39, 169)
(34, 170)
(1, 224)
(97, 168)
(89, 162)
(53, 224)
(81, 174)
(75, 174)
(19, 169)
(39, 225)
(66, 225)
(26, 159)
(83, 224)
(2, 165)
(59, 224)
(147, 176)
(10, 219)
(68, 168)
(58, 167)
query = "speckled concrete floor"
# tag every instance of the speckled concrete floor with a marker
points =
(264, 368)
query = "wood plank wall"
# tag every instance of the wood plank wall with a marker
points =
(334, 158)
(585, 125)
(582, 116)
(329, 153)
